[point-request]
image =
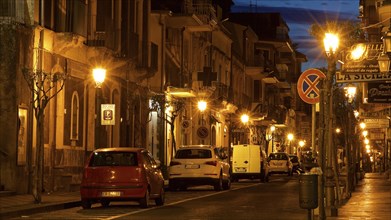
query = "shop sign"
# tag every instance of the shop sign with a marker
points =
(379, 92)
(342, 78)
(107, 114)
(364, 64)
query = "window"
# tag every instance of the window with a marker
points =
(114, 159)
(193, 154)
(75, 117)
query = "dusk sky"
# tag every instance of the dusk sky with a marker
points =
(299, 15)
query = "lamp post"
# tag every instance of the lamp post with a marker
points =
(301, 145)
(272, 129)
(99, 75)
(331, 43)
(244, 118)
(290, 138)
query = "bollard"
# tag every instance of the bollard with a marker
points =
(308, 192)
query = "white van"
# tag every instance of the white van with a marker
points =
(249, 162)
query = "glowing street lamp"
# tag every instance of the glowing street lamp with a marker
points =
(362, 125)
(244, 118)
(99, 75)
(290, 138)
(331, 43)
(202, 105)
(350, 92)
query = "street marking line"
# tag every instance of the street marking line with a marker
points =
(181, 201)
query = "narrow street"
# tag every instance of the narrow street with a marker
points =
(247, 199)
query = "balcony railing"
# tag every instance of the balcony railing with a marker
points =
(205, 11)
(221, 90)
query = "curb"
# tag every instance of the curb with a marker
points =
(39, 209)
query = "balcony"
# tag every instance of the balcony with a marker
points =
(221, 91)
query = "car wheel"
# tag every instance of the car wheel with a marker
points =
(227, 184)
(144, 202)
(86, 204)
(219, 184)
(105, 203)
(172, 186)
(160, 201)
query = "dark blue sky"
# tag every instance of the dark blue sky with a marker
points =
(300, 15)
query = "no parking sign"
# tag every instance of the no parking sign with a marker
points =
(308, 85)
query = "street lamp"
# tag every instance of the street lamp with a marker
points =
(331, 43)
(384, 59)
(350, 92)
(202, 105)
(99, 75)
(244, 118)
(290, 138)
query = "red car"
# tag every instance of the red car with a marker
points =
(121, 174)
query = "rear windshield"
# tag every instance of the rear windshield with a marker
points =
(113, 159)
(193, 154)
(278, 157)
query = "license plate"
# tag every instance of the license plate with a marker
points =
(111, 194)
(192, 166)
(241, 169)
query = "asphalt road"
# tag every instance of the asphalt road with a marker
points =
(247, 199)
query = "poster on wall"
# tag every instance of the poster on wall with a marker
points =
(22, 135)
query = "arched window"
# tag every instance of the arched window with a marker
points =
(75, 117)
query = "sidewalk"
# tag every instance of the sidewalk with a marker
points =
(370, 201)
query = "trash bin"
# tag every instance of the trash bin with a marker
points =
(308, 191)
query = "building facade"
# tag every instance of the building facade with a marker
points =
(160, 60)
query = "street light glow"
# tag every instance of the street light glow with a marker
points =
(365, 133)
(301, 143)
(202, 105)
(338, 130)
(362, 125)
(290, 136)
(331, 43)
(244, 118)
(99, 76)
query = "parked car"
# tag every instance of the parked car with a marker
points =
(280, 163)
(199, 165)
(296, 165)
(121, 174)
(249, 161)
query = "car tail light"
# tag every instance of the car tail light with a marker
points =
(173, 163)
(213, 163)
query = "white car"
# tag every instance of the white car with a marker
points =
(199, 165)
(280, 163)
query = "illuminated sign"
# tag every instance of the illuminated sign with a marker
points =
(107, 114)
(362, 59)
